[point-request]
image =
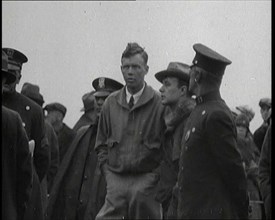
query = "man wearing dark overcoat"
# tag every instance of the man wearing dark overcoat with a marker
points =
(33, 122)
(89, 109)
(65, 135)
(212, 181)
(79, 189)
(16, 158)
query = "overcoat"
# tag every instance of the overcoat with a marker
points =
(33, 122)
(82, 121)
(265, 172)
(16, 166)
(259, 135)
(65, 138)
(73, 185)
(54, 154)
(212, 181)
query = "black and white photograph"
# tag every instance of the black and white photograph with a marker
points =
(136, 110)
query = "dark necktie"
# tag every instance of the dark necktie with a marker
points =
(131, 102)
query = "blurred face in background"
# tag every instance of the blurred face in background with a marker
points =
(99, 103)
(55, 118)
(241, 131)
(265, 112)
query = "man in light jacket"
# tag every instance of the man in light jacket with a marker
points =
(129, 143)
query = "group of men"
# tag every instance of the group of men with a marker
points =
(135, 153)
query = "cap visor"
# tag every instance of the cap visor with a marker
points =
(101, 94)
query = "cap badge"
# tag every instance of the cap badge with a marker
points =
(101, 83)
(187, 135)
(10, 52)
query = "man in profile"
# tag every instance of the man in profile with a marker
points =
(212, 182)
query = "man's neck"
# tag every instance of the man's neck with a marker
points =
(133, 91)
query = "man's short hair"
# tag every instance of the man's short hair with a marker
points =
(133, 49)
(184, 83)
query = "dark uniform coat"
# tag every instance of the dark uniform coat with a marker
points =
(212, 181)
(73, 186)
(33, 122)
(16, 166)
(65, 137)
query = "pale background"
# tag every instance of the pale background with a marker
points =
(69, 44)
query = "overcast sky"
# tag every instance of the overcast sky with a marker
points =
(69, 44)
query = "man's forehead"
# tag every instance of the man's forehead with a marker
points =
(134, 59)
(170, 79)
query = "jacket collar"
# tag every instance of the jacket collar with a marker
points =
(211, 96)
(146, 96)
(182, 111)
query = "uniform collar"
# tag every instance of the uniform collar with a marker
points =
(213, 95)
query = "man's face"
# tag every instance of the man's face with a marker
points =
(134, 70)
(241, 131)
(55, 118)
(11, 87)
(170, 92)
(99, 103)
(265, 112)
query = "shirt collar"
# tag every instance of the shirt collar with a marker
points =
(136, 96)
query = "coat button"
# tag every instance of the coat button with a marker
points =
(182, 168)
(28, 108)
(85, 177)
(81, 201)
(186, 148)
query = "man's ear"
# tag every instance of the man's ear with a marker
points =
(147, 69)
(183, 90)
